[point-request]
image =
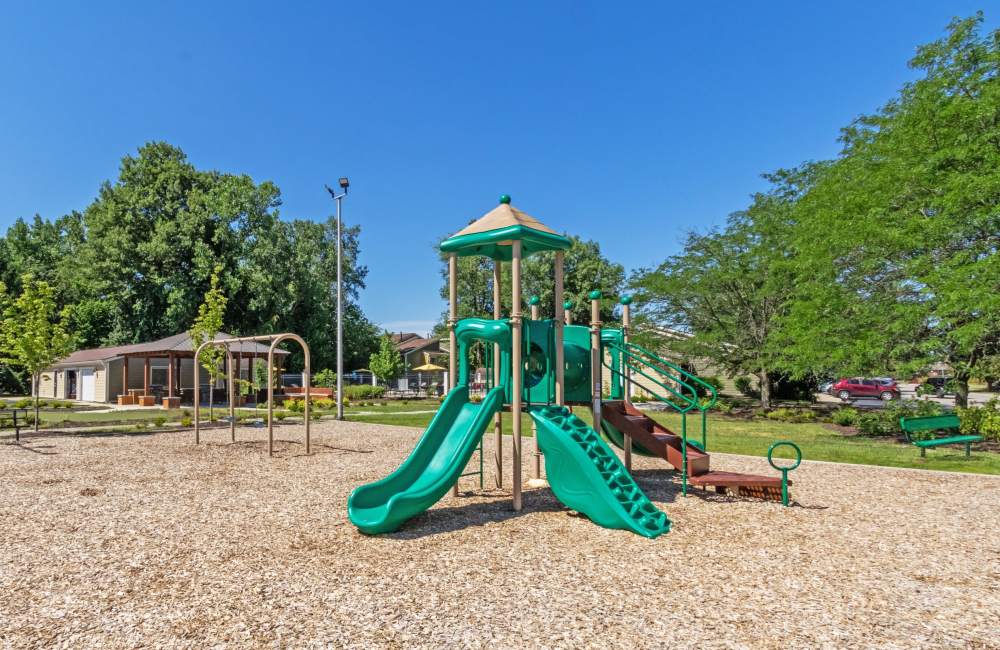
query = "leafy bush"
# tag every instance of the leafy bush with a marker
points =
(326, 378)
(786, 388)
(364, 391)
(981, 420)
(791, 415)
(745, 386)
(3, 405)
(325, 404)
(296, 405)
(475, 399)
(27, 402)
(186, 421)
(160, 420)
(711, 380)
(280, 415)
(845, 417)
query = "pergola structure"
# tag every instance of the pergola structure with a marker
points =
(506, 234)
(174, 349)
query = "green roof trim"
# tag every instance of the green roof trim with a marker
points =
(495, 244)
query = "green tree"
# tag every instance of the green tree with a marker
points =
(897, 250)
(386, 364)
(33, 335)
(208, 323)
(584, 269)
(726, 291)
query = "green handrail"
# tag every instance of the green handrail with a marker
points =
(692, 403)
(709, 387)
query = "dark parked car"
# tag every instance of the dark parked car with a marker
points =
(937, 385)
(871, 388)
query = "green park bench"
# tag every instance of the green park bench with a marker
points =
(9, 419)
(933, 424)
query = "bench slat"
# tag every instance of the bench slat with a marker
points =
(946, 441)
(930, 423)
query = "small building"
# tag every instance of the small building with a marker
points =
(417, 350)
(163, 370)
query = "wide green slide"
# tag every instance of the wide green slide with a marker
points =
(587, 476)
(432, 467)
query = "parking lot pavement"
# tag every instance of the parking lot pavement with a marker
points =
(907, 391)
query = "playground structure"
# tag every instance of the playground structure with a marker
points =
(274, 340)
(541, 367)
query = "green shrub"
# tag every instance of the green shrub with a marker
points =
(711, 380)
(280, 415)
(981, 420)
(475, 399)
(364, 391)
(27, 402)
(296, 405)
(160, 420)
(870, 424)
(845, 417)
(782, 415)
(186, 421)
(325, 378)
(745, 386)
(3, 405)
(325, 404)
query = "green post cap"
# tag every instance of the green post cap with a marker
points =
(594, 295)
(626, 300)
(534, 300)
(505, 198)
(568, 304)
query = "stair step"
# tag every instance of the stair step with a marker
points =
(734, 479)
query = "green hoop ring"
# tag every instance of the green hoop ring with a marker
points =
(784, 443)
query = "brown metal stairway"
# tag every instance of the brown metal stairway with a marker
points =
(652, 437)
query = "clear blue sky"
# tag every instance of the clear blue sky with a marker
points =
(628, 123)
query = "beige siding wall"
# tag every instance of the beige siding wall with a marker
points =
(100, 384)
(50, 382)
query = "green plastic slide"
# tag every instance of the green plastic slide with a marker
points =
(432, 467)
(588, 477)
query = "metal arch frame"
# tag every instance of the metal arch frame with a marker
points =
(274, 340)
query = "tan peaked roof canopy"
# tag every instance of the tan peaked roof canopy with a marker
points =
(179, 345)
(493, 234)
(502, 216)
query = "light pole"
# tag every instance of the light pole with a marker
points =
(344, 183)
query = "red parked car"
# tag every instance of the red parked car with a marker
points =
(882, 389)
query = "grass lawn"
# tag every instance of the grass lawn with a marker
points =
(752, 438)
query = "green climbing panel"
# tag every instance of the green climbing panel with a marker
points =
(587, 476)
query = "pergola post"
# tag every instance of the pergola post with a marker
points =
(557, 325)
(452, 343)
(626, 302)
(232, 395)
(498, 418)
(125, 392)
(145, 377)
(517, 370)
(170, 375)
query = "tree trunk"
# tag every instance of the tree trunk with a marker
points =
(961, 390)
(38, 388)
(765, 389)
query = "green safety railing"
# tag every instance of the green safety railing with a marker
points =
(638, 359)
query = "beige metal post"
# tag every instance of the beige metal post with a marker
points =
(596, 385)
(452, 343)
(626, 374)
(498, 420)
(557, 324)
(270, 389)
(536, 464)
(232, 396)
(517, 370)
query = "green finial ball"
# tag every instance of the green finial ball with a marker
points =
(568, 304)
(626, 300)
(594, 295)
(534, 300)
(505, 198)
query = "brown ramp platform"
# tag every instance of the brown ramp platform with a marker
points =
(660, 441)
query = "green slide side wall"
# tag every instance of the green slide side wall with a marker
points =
(587, 476)
(431, 469)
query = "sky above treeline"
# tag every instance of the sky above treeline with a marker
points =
(629, 123)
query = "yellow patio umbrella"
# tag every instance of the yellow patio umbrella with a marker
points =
(428, 367)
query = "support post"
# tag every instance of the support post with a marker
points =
(557, 324)
(517, 370)
(498, 419)
(125, 377)
(536, 461)
(145, 376)
(626, 302)
(230, 386)
(568, 311)
(452, 343)
(596, 385)
(170, 375)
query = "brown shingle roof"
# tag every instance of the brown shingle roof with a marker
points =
(178, 344)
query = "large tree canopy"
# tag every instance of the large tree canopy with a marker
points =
(136, 263)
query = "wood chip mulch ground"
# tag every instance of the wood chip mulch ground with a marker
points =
(151, 541)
